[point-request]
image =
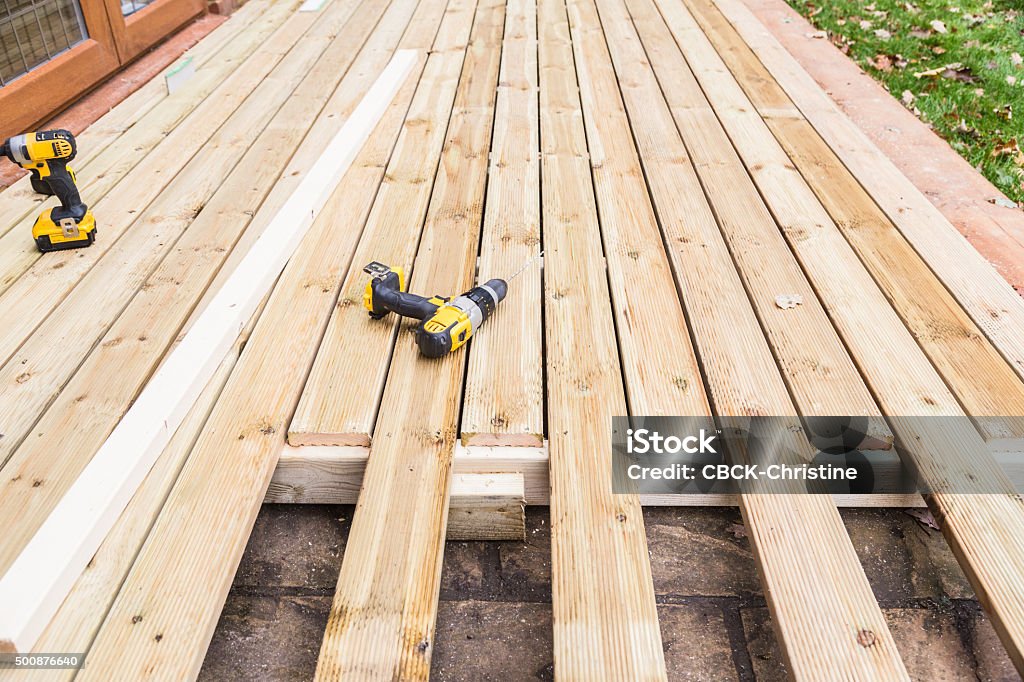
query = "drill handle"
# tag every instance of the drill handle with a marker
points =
(389, 299)
(62, 185)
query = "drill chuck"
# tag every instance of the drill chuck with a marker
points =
(445, 324)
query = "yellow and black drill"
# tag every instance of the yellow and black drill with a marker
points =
(445, 324)
(46, 155)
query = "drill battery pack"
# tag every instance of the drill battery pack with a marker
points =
(58, 234)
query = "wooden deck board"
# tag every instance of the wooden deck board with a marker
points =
(605, 617)
(504, 401)
(343, 392)
(381, 624)
(680, 171)
(970, 491)
(227, 473)
(731, 347)
(80, 418)
(19, 199)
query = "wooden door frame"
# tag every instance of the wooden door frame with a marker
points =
(114, 40)
(139, 31)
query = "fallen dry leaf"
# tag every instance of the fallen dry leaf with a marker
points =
(1011, 80)
(1003, 201)
(882, 62)
(787, 301)
(1016, 59)
(883, 34)
(737, 530)
(907, 97)
(818, 34)
(923, 517)
(938, 26)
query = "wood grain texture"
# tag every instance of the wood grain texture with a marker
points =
(98, 291)
(343, 393)
(18, 200)
(81, 417)
(605, 618)
(487, 507)
(196, 544)
(978, 506)
(986, 386)
(113, 163)
(504, 401)
(741, 253)
(381, 624)
(82, 612)
(993, 304)
(820, 636)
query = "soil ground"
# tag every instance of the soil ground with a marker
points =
(494, 620)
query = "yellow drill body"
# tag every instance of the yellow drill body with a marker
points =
(46, 155)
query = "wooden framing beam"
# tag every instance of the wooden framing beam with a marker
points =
(39, 579)
(334, 475)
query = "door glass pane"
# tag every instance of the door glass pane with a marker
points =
(34, 31)
(132, 6)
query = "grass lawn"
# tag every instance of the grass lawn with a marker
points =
(957, 65)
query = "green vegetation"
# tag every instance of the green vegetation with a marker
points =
(957, 65)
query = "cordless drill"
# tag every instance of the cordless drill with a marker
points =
(46, 155)
(445, 324)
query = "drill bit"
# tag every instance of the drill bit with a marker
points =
(530, 261)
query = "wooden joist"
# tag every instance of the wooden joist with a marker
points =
(487, 507)
(183, 573)
(974, 499)
(605, 617)
(382, 618)
(333, 474)
(504, 401)
(799, 540)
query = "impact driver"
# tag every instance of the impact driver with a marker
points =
(46, 155)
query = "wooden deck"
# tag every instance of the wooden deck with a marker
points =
(678, 169)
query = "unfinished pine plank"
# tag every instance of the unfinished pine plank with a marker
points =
(982, 517)
(60, 272)
(75, 624)
(605, 618)
(81, 417)
(121, 159)
(819, 635)
(504, 401)
(993, 304)
(987, 387)
(339, 403)
(40, 577)
(19, 199)
(821, 377)
(34, 375)
(385, 603)
(333, 474)
(487, 507)
(184, 571)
